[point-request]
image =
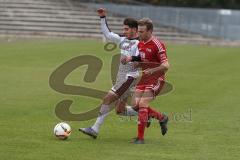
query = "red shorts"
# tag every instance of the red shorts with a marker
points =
(155, 88)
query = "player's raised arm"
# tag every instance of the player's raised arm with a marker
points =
(104, 27)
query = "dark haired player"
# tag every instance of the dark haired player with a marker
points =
(127, 73)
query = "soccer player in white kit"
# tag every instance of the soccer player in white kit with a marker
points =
(127, 73)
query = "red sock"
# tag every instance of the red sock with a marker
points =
(142, 121)
(155, 114)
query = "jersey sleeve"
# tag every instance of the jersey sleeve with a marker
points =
(161, 52)
(113, 37)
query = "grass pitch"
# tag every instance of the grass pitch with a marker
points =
(204, 107)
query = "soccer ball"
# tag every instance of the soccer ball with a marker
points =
(62, 130)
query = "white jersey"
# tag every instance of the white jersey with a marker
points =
(127, 47)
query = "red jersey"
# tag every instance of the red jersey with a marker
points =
(152, 51)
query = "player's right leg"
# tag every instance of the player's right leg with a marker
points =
(104, 110)
(163, 119)
(117, 91)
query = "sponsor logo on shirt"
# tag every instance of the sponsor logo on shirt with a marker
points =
(148, 50)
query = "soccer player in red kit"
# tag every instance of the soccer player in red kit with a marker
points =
(154, 64)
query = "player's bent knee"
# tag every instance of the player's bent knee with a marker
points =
(108, 99)
(120, 108)
(118, 111)
(143, 104)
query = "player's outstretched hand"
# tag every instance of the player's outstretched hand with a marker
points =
(101, 12)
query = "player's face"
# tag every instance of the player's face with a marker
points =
(128, 32)
(143, 33)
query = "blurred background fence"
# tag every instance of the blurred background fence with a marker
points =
(223, 23)
(78, 18)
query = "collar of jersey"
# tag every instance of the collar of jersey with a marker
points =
(137, 38)
(148, 40)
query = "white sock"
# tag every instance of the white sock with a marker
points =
(103, 113)
(130, 111)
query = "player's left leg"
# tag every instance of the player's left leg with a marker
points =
(128, 97)
(163, 119)
(120, 107)
(125, 110)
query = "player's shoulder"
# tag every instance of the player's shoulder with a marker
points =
(136, 39)
(133, 41)
(157, 41)
(158, 44)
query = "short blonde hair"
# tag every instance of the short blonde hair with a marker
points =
(146, 22)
